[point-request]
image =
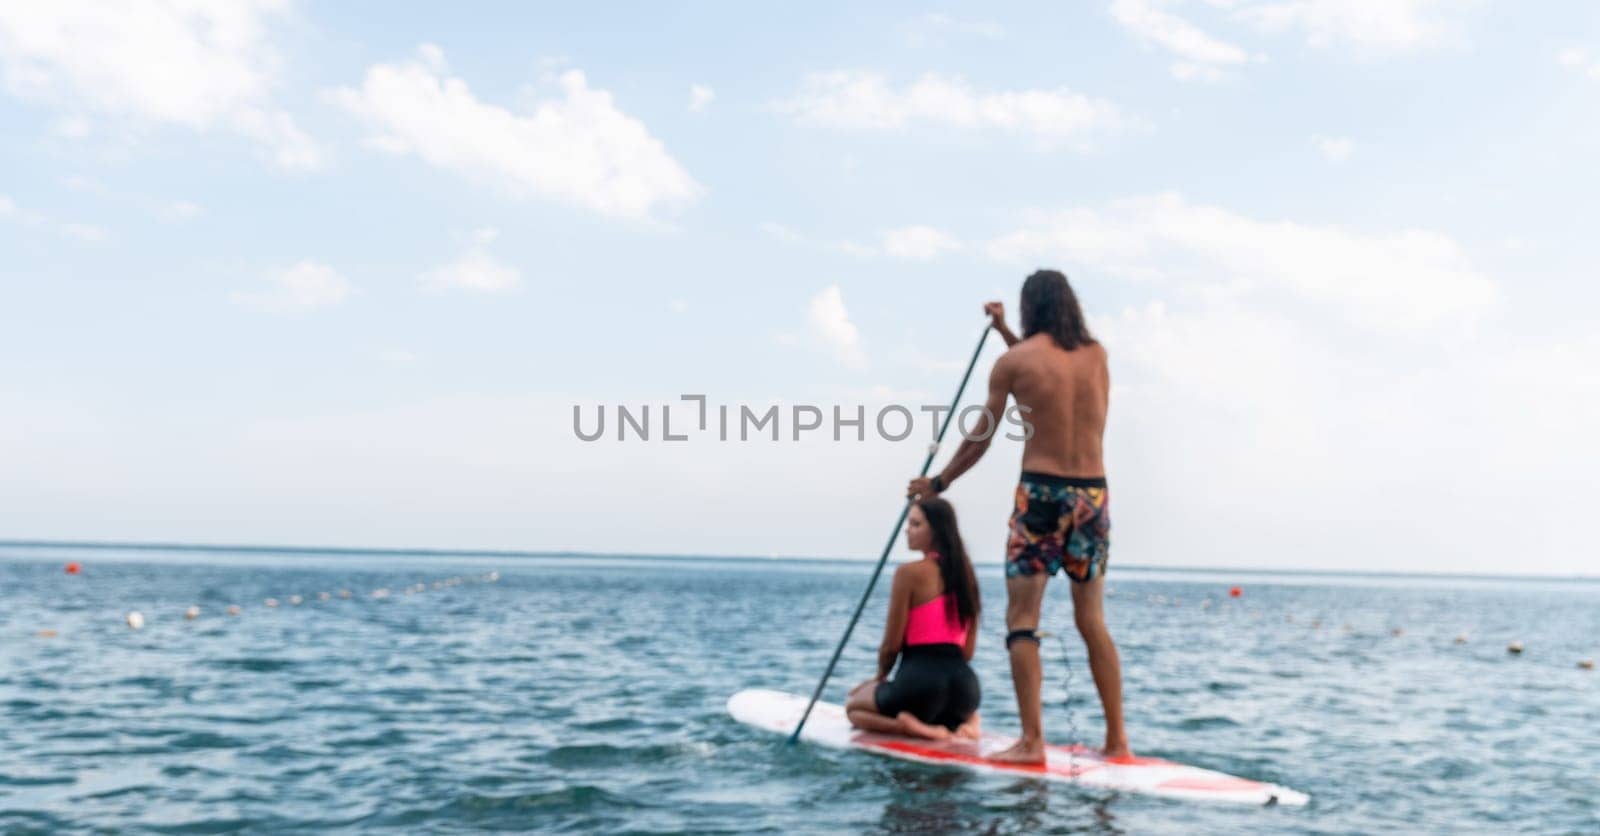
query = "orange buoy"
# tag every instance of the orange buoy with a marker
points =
(74, 568)
(1234, 592)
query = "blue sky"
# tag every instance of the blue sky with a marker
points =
(282, 273)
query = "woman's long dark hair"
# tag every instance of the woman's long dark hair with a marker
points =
(955, 568)
(1049, 305)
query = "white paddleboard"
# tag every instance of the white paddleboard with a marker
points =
(776, 711)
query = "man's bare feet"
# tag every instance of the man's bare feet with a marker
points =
(917, 728)
(1023, 751)
(1117, 751)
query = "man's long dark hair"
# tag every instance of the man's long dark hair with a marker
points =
(955, 568)
(1049, 305)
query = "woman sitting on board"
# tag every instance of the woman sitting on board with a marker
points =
(933, 616)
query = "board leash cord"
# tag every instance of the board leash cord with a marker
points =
(1073, 736)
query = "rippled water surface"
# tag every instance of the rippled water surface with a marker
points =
(587, 695)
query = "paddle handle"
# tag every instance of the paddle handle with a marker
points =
(894, 535)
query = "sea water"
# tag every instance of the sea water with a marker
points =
(587, 695)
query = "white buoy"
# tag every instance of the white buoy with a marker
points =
(135, 620)
(494, 576)
(271, 602)
(295, 600)
(1514, 648)
(191, 613)
(380, 593)
(323, 596)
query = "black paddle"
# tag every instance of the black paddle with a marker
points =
(933, 449)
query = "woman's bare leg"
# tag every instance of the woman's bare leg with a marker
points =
(863, 696)
(871, 720)
(873, 683)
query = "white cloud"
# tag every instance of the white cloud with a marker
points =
(779, 232)
(866, 101)
(907, 243)
(1412, 280)
(476, 269)
(72, 127)
(1377, 25)
(830, 324)
(1343, 429)
(1335, 148)
(1190, 71)
(1577, 59)
(398, 357)
(1203, 57)
(201, 66)
(182, 210)
(577, 148)
(935, 28)
(854, 249)
(88, 233)
(918, 243)
(700, 97)
(175, 211)
(72, 230)
(305, 286)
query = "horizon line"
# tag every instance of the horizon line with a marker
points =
(569, 553)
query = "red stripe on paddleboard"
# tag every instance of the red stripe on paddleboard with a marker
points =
(1126, 760)
(948, 756)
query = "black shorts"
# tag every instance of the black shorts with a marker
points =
(934, 683)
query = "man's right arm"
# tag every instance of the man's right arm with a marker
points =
(972, 449)
(997, 319)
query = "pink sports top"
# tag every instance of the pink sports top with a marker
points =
(930, 622)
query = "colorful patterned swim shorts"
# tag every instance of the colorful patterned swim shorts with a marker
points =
(1060, 522)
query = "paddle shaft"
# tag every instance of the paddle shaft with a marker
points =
(894, 535)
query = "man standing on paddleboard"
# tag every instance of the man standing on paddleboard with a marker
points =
(1057, 373)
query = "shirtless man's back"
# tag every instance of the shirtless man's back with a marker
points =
(1058, 375)
(1066, 393)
